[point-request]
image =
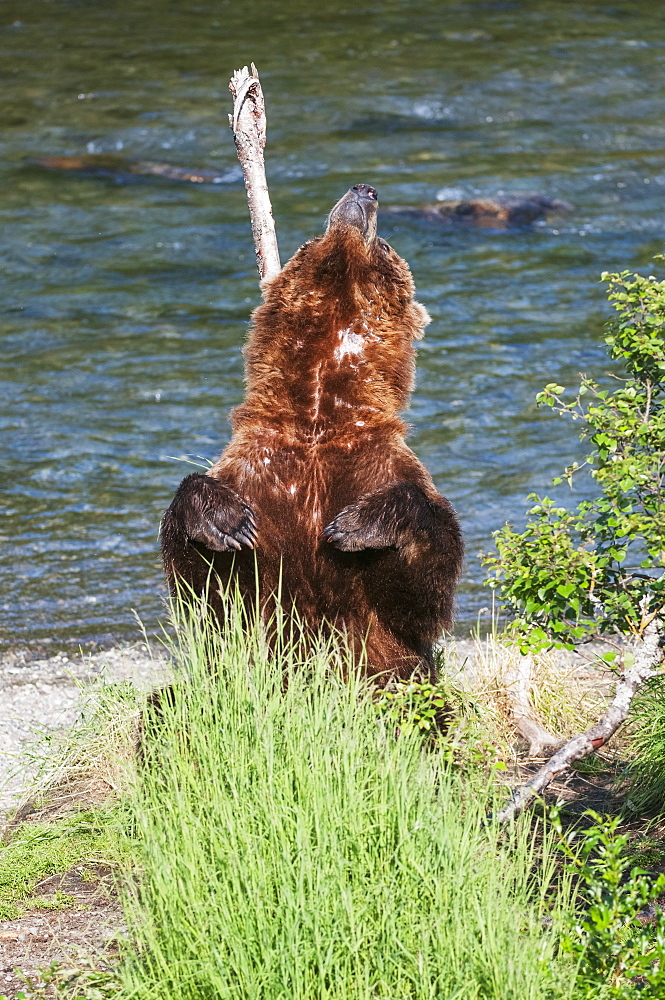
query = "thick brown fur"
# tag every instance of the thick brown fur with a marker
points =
(317, 483)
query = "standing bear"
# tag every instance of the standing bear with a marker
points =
(317, 497)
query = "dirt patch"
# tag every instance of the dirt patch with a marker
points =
(82, 935)
(81, 928)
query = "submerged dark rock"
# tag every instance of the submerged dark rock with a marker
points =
(505, 212)
(122, 168)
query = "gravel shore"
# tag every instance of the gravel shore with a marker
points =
(43, 695)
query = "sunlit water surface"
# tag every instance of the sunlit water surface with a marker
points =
(125, 305)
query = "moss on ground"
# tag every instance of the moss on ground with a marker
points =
(37, 851)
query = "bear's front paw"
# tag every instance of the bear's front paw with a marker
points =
(224, 529)
(212, 513)
(355, 529)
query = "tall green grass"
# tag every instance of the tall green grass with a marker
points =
(646, 773)
(294, 847)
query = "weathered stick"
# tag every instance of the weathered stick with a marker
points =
(248, 122)
(518, 686)
(648, 655)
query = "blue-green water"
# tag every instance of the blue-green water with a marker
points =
(124, 305)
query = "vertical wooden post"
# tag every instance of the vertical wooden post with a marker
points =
(248, 122)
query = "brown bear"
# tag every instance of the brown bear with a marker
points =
(317, 493)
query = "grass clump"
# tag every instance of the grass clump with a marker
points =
(646, 773)
(566, 697)
(39, 850)
(292, 845)
(91, 763)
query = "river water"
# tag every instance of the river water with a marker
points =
(124, 305)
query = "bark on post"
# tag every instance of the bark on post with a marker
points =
(248, 122)
(648, 656)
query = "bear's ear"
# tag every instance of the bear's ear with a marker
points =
(422, 318)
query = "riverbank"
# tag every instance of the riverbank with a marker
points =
(41, 696)
(66, 907)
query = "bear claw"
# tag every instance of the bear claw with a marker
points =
(355, 536)
(207, 511)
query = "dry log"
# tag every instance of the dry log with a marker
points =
(248, 122)
(648, 655)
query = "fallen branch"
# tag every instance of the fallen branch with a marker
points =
(648, 655)
(248, 122)
(519, 682)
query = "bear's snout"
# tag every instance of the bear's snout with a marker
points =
(358, 208)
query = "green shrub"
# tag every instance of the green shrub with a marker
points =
(620, 952)
(457, 722)
(597, 570)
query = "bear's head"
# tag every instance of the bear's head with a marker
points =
(358, 209)
(335, 332)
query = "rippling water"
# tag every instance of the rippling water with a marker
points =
(124, 305)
